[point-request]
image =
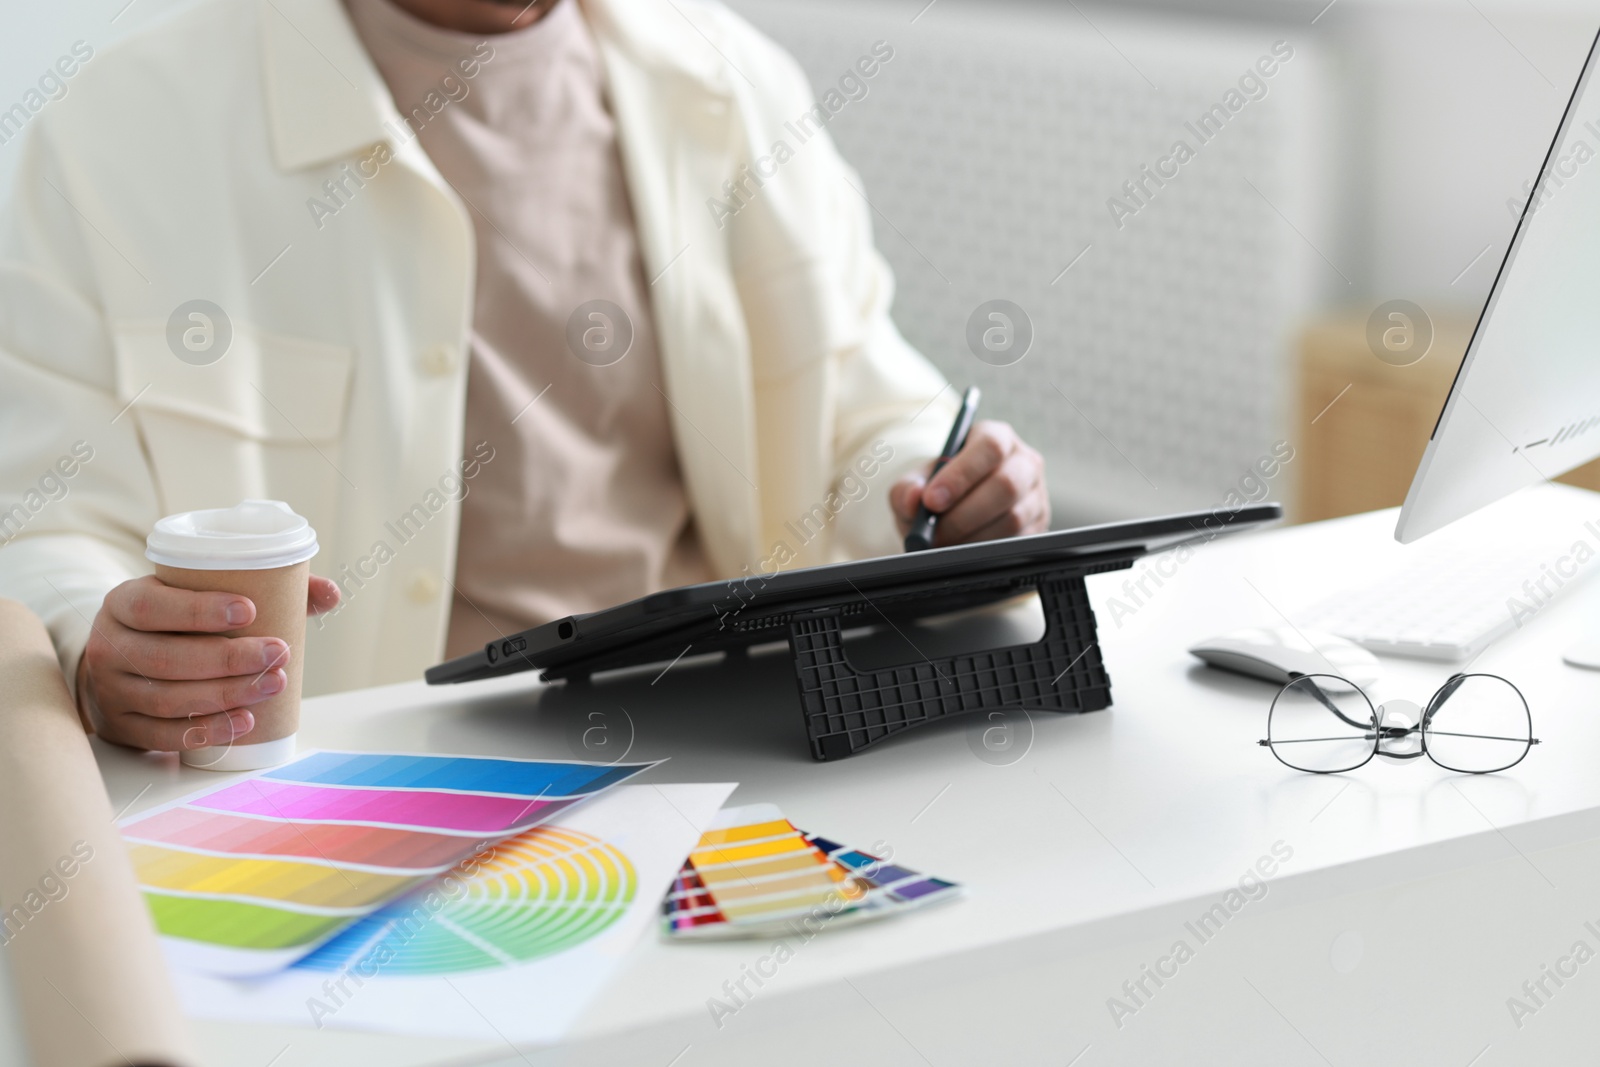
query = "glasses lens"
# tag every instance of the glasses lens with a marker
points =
(1477, 723)
(1322, 723)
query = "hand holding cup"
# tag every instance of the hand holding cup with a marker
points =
(159, 671)
(205, 657)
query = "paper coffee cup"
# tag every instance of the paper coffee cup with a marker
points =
(258, 549)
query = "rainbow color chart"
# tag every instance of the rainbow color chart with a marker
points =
(754, 874)
(250, 876)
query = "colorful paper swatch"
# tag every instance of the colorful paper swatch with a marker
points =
(754, 874)
(511, 946)
(249, 876)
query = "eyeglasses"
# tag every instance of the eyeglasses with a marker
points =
(1325, 724)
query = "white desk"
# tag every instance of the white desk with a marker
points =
(1415, 902)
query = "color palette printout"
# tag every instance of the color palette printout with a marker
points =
(510, 945)
(754, 874)
(249, 876)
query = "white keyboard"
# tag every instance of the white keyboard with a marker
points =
(1452, 599)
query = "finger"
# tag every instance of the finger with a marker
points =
(108, 645)
(126, 693)
(905, 496)
(178, 735)
(181, 657)
(992, 500)
(1028, 518)
(147, 604)
(987, 447)
(322, 594)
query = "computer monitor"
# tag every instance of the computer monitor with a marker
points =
(1525, 405)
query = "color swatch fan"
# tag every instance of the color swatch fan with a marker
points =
(539, 893)
(754, 874)
(248, 877)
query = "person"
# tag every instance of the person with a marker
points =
(529, 308)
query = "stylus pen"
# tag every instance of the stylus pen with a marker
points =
(921, 535)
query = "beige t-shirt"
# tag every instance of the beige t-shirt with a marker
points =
(583, 504)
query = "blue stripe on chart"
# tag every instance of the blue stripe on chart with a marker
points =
(537, 778)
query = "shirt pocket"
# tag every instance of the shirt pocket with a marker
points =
(265, 421)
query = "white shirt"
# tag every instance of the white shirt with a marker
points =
(182, 166)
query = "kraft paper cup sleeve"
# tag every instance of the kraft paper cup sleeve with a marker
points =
(91, 984)
(279, 595)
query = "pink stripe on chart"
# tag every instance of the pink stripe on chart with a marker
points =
(395, 807)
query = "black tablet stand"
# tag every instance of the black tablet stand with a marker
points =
(846, 708)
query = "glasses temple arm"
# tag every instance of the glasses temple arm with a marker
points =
(1445, 692)
(1322, 698)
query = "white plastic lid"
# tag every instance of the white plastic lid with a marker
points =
(253, 535)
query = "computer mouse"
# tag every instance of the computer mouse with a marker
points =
(1279, 653)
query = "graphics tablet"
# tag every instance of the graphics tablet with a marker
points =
(761, 608)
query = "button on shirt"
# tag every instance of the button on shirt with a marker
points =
(439, 360)
(582, 505)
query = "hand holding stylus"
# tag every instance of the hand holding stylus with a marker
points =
(993, 487)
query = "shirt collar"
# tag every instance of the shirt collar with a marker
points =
(659, 35)
(325, 99)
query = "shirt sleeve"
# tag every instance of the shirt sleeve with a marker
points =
(889, 408)
(893, 408)
(76, 492)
